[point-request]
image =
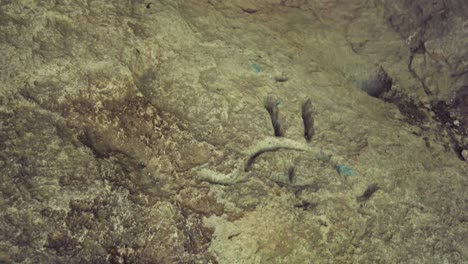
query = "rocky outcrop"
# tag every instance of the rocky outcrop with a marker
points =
(436, 34)
(122, 121)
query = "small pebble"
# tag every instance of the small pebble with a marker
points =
(465, 155)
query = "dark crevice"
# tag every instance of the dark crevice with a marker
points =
(408, 108)
(427, 91)
(415, 114)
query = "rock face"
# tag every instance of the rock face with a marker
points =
(110, 111)
(436, 34)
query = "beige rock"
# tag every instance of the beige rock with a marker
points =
(112, 111)
(465, 155)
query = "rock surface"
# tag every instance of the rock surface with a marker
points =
(109, 110)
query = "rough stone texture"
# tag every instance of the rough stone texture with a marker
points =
(110, 109)
(436, 33)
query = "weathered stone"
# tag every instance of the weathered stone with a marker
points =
(464, 153)
(110, 110)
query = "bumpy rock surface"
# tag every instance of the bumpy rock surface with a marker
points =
(110, 111)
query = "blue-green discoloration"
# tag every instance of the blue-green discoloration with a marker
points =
(343, 170)
(257, 68)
